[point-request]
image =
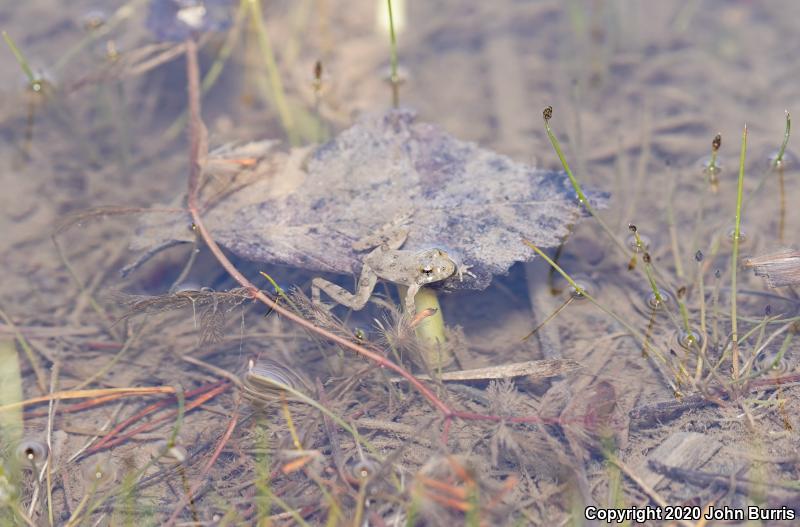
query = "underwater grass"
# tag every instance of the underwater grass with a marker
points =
(29, 354)
(547, 113)
(712, 169)
(33, 82)
(394, 79)
(215, 71)
(277, 93)
(633, 331)
(735, 255)
(778, 161)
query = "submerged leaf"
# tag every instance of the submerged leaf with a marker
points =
(307, 209)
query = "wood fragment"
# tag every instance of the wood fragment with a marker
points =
(778, 269)
(687, 450)
(539, 369)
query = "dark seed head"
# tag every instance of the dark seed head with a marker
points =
(632, 227)
(548, 113)
(717, 142)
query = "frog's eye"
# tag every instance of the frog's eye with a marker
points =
(426, 269)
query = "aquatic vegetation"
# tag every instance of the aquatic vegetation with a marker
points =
(249, 404)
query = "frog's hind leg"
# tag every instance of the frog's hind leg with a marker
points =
(392, 235)
(355, 301)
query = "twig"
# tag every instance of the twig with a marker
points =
(204, 393)
(83, 394)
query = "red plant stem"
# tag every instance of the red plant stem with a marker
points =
(109, 440)
(196, 150)
(146, 410)
(206, 468)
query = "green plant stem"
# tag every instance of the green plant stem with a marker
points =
(702, 292)
(280, 292)
(393, 39)
(395, 80)
(633, 332)
(779, 158)
(673, 231)
(430, 331)
(26, 348)
(277, 94)
(584, 201)
(735, 255)
(20, 58)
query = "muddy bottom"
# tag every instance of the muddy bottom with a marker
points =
(650, 378)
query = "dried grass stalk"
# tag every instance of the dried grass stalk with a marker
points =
(779, 269)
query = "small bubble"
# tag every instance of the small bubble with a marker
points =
(707, 168)
(717, 273)
(653, 301)
(99, 473)
(585, 288)
(769, 363)
(688, 339)
(638, 245)
(584, 282)
(93, 20)
(32, 452)
(401, 77)
(742, 236)
(768, 310)
(364, 469)
(171, 454)
(698, 256)
(787, 162)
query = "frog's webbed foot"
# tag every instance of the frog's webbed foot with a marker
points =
(462, 269)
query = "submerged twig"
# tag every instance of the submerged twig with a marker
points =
(538, 369)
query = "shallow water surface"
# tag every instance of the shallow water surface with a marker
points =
(639, 91)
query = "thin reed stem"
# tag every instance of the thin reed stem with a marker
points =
(20, 58)
(735, 255)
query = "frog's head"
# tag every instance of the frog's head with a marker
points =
(434, 265)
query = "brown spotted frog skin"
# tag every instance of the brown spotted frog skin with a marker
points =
(412, 269)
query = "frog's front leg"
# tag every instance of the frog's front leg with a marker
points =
(355, 301)
(411, 292)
